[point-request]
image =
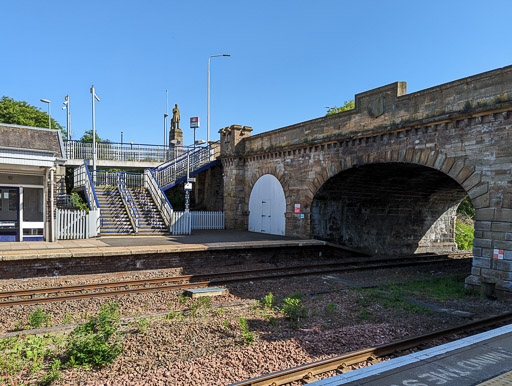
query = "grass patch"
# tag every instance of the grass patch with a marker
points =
(388, 300)
(441, 288)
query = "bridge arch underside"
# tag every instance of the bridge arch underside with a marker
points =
(388, 209)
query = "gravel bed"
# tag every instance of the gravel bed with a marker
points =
(209, 348)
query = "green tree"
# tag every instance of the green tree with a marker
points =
(21, 113)
(87, 137)
(348, 105)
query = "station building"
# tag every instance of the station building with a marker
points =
(31, 170)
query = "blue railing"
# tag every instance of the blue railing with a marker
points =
(175, 170)
(128, 200)
(90, 193)
(159, 197)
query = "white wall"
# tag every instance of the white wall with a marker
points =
(267, 206)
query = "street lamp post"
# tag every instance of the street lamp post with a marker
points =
(49, 112)
(68, 120)
(208, 113)
(94, 96)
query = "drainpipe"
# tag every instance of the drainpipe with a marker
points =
(52, 210)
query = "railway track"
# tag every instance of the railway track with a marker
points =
(340, 364)
(30, 296)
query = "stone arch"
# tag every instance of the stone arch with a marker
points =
(280, 175)
(459, 179)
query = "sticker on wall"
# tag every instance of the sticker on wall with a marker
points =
(296, 208)
(302, 215)
(498, 254)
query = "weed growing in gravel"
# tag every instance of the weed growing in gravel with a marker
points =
(182, 299)
(248, 337)
(96, 342)
(365, 315)
(38, 318)
(68, 318)
(26, 354)
(142, 325)
(219, 311)
(200, 306)
(173, 315)
(52, 375)
(330, 308)
(268, 301)
(293, 310)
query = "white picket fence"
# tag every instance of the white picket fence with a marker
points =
(183, 222)
(77, 224)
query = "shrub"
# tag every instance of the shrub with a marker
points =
(96, 342)
(268, 301)
(464, 235)
(293, 310)
(248, 337)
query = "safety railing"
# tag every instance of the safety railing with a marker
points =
(174, 170)
(110, 178)
(160, 199)
(129, 202)
(116, 151)
(181, 223)
(82, 178)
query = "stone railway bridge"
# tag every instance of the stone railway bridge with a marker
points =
(386, 177)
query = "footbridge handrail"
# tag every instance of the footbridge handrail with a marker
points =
(171, 171)
(116, 151)
(159, 197)
(129, 202)
(82, 177)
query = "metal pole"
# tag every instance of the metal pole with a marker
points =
(49, 116)
(68, 118)
(94, 96)
(208, 111)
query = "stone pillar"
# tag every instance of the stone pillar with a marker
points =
(175, 134)
(232, 148)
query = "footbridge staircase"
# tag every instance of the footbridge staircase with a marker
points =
(135, 203)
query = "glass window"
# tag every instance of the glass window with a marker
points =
(32, 204)
(12, 195)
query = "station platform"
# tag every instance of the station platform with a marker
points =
(482, 359)
(125, 245)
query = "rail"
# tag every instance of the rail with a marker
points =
(129, 202)
(171, 172)
(160, 199)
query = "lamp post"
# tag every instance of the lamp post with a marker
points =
(68, 120)
(94, 96)
(208, 114)
(49, 112)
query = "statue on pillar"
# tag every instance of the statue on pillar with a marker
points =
(175, 134)
(175, 121)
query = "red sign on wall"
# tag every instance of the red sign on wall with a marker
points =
(296, 208)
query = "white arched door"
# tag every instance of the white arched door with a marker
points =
(267, 206)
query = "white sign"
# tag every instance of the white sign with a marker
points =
(194, 122)
(191, 179)
(188, 186)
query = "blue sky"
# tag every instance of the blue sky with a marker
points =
(289, 59)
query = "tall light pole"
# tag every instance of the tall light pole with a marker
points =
(68, 120)
(208, 114)
(94, 96)
(49, 112)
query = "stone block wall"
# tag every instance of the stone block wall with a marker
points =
(461, 130)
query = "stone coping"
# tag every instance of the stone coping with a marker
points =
(95, 250)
